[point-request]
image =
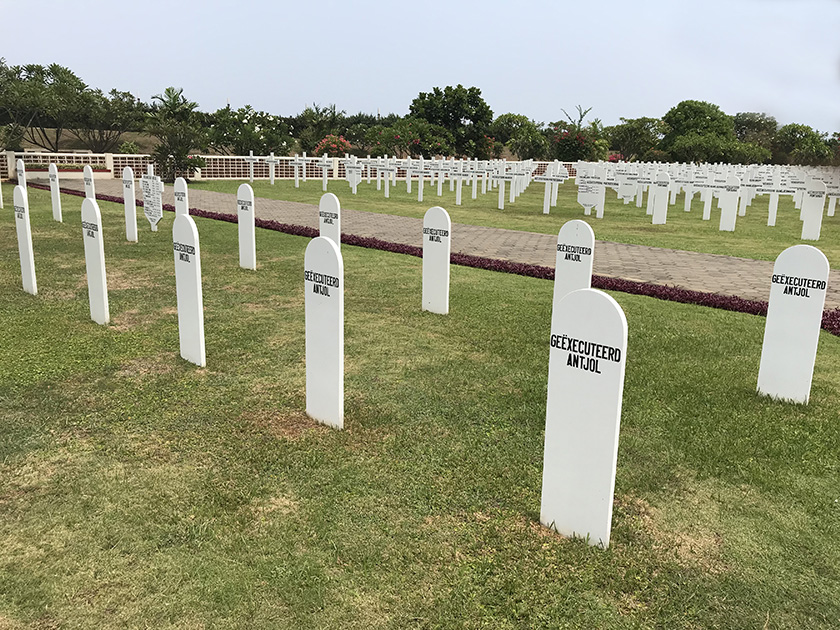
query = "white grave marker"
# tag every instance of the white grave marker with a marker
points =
(251, 161)
(325, 164)
(329, 218)
(95, 262)
(437, 237)
(794, 315)
(130, 205)
(152, 198)
(573, 265)
(324, 305)
(588, 346)
(813, 202)
(20, 167)
(24, 239)
(55, 193)
(247, 231)
(90, 187)
(188, 289)
(728, 200)
(272, 163)
(659, 190)
(182, 200)
(297, 163)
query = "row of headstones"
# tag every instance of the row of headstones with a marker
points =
(588, 339)
(735, 187)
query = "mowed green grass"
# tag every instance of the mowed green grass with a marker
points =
(137, 490)
(621, 223)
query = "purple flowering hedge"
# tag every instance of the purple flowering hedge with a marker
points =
(830, 320)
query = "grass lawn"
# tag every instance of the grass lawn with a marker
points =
(623, 224)
(137, 490)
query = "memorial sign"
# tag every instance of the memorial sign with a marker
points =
(188, 289)
(329, 218)
(95, 262)
(182, 202)
(152, 189)
(437, 233)
(24, 239)
(573, 264)
(245, 219)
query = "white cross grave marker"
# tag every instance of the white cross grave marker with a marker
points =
(297, 163)
(95, 262)
(326, 165)
(188, 289)
(251, 159)
(794, 314)
(24, 239)
(324, 306)
(246, 220)
(588, 347)
(272, 163)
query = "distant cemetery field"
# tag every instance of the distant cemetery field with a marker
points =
(622, 223)
(139, 490)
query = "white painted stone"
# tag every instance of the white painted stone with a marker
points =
(329, 218)
(588, 345)
(437, 237)
(660, 188)
(188, 289)
(24, 239)
(55, 192)
(247, 231)
(152, 189)
(794, 315)
(728, 198)
(182, 199)
(813, 203)
(130, 204)
(90, 187)
(324, 306)
(573, 264)
(95, 262)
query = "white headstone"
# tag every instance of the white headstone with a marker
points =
(324, 305)
(813, 203)
(661, 184)
(437, 236)
(95, 261)
(90, 187)
(247, 232)
(573, 266)
(794, 315)
(130, 204)
(24, 238)
(188, 289)
(152, 198)
(729, 196)
(587, 354)
(55, 192)
(20, 168)
(329, 217)
(182, 200)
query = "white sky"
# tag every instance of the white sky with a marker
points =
(622, 58)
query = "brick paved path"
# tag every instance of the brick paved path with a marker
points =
(711, 273)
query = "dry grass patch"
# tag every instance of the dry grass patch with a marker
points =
(286, 425)
(142, 367)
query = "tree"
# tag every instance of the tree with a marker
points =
(756, 128)
(409, 136)
(460, 111)
(635, 136)
(177, 126)
(314, 123)
(572, 141)
(522, 136)
(236, 132)
(102, 120)
(505, 126)
(699, 118)
(800, 144)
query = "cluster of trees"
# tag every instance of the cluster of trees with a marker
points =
(46, 105)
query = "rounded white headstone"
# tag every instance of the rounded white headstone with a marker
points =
(188, 289)
(324, 306)
(573, 265)
(329, 217)
(24, 238)
(130, 204)
(588, 347)
(95, 261)
(437, 236)
(181, 193)
(247, 231)
(792, 330)
(90, 187)
(55, 192)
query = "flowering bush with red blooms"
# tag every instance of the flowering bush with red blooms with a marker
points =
(616, 157)
(333, 146)
(571, 146)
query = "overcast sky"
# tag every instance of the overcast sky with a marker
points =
(622, 58)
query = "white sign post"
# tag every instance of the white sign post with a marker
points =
(247, 231)
(152, 199)
(95, 262)
(329, 218)
(573, 265)
(182, 200)
(24, 239)
(588, 345)
(55, 193)
(130, 205)
(437, 237)
(324, 306)
(794, 314)
(188, 289)
(90, 187)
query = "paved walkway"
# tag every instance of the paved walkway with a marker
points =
(711, 273)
